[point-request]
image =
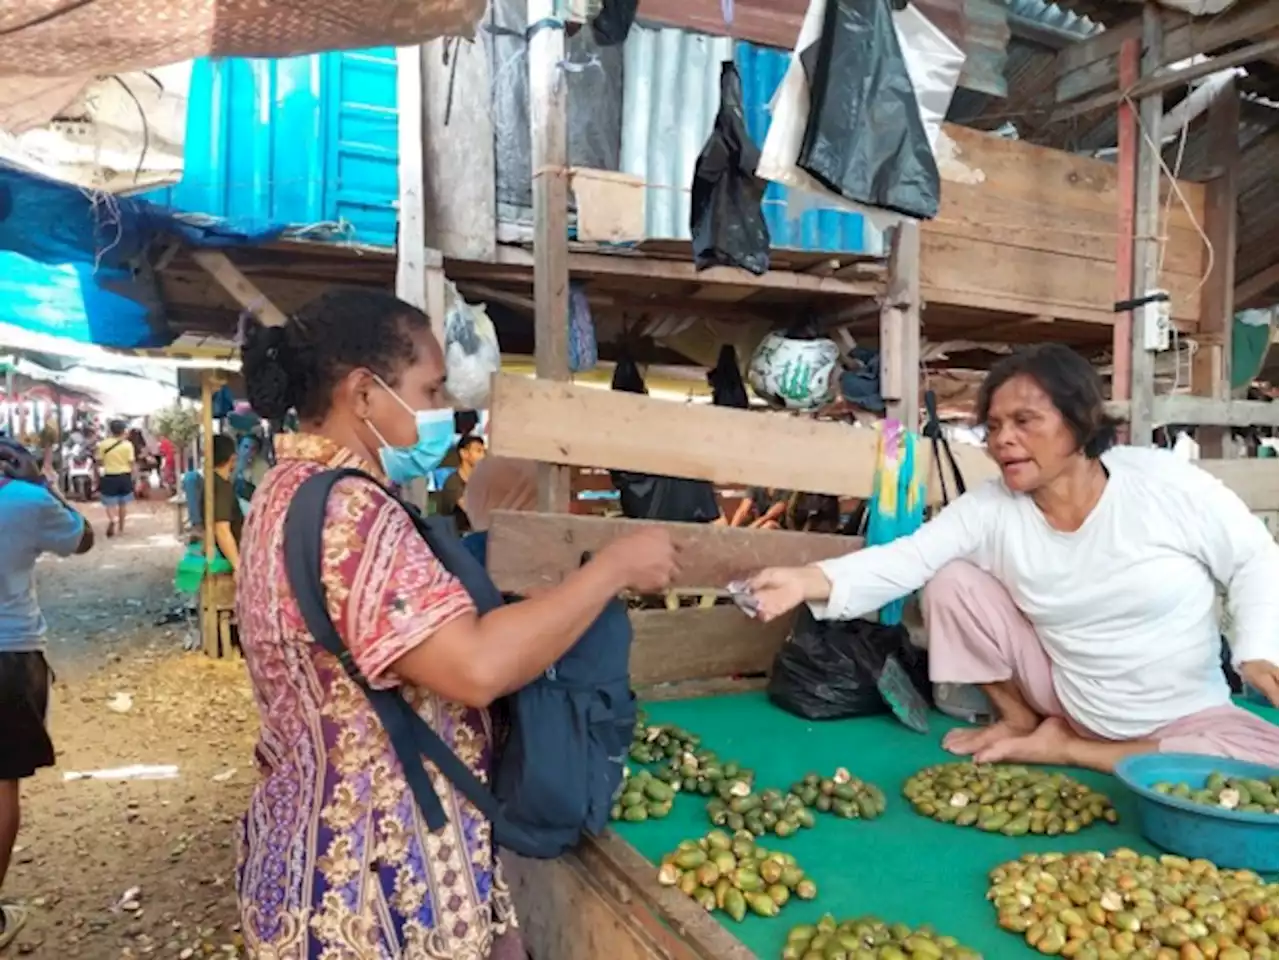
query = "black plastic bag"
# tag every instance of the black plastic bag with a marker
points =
(864, 138)
(828, 670)
(644, 496)
(613, 23)
(726, 218)
(725, 380)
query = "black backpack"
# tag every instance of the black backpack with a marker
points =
(561, 763)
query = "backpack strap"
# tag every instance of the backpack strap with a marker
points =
(411, 737)
(933, 430)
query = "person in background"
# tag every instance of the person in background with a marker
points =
(168, 464)
(35, 520)
(228, 520)
(498, 483)
(453, 498)
(763, 508)
(193, 493)
(1078, 589)
(345, 865)
(116, 462)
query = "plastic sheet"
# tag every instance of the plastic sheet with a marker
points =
(865, 139)
(727, 219)
(725, 380)
(933, 63)
(828, 670)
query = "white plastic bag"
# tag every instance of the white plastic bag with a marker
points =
(933, 63)
(471, 354)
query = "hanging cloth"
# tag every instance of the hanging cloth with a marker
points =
(898, 496)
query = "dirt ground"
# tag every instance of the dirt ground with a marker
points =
(129, 868)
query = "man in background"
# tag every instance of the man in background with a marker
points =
(453, 498)
(228, 518)
(35, 520)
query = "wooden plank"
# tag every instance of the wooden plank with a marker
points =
(900, 328)
(696, 643)
(622, 431)
(1146, 234)
(208, 606)
(529, 552)
(242, 289)
(1211, 364)
(1206, 411)
(460, 192)
(548, 125)
(1254, 481)
(585, 265)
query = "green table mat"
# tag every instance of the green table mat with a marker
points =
(901, 867)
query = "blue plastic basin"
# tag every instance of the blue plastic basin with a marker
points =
(1229, 838)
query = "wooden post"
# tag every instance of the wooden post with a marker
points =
(548, 109)
(1211, 365)
(900, 328)
(208, 608)
(411, 238)
(1126, 173)
(1146, 239)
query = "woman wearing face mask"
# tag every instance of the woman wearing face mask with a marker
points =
(335, 859)
(1078, 589)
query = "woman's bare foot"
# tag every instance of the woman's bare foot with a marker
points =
(972, 741)
(1049, 743)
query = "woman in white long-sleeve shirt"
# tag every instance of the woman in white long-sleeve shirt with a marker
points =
(1079, 588)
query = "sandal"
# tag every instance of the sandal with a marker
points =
(15, 918)
(111, 529)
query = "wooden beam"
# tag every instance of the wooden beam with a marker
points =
(1255, 286)
(1206, 411)
(242, 289)
(692, 643)
(548, 126)
(1126, 183)
(1254, 481)
(1211, 364)
(1092, 64)
(1157, 83)
(208, 609)
(900, 328)
(1146, 232)
(579, 426)
(533, 551)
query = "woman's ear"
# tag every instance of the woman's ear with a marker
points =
(354, 392)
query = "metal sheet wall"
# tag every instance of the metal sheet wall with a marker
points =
(670, 99)
(300, 141)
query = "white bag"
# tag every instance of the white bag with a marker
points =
(933, 63)
(471, 354)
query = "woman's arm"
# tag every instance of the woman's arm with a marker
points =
(474, 660)
(865, 580)
(1240, 554)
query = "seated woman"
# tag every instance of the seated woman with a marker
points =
(1078, 589)
(335, 859)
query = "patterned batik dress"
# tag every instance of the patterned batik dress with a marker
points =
(336, 862)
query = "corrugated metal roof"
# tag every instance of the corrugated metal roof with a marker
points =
(670, 100)
(1052, 16)
(301, 141)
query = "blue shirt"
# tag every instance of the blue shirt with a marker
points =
(33, 522)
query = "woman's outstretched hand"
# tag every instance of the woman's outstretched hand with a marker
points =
(646, 561)
(1263, 676)
(779, 590)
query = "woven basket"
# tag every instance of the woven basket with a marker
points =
(111, 36)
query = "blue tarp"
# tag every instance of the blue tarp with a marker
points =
(75, 264)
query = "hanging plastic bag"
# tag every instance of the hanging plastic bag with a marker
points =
(644, 496)
(934, 63)
(865, 138)
(725, 380)
(726, 217)
(828, 669)
(583, 354)
(471, 355)
(613, 23)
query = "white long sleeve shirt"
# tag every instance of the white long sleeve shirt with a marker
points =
(1125, 605)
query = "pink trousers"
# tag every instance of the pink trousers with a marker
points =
(977, 635)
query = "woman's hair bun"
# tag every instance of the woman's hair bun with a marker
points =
(265, 359)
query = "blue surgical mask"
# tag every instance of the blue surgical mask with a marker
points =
(435, 437)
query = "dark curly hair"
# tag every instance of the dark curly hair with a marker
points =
(296, 366)
(1071, 383)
